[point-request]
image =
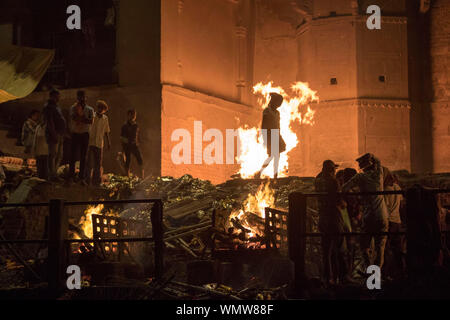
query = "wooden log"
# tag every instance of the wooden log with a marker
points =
(177, 236)
(187, 228)
(182, 244)
(254, 219)
(237, 224)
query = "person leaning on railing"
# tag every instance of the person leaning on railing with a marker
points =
(375, 215)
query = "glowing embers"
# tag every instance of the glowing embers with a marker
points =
(276, 230)
(294, 109)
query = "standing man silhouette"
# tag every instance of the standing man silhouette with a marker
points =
(271, 125)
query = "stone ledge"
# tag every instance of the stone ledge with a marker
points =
(367, 103)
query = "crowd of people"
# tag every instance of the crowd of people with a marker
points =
(83, 134)
(371, 214)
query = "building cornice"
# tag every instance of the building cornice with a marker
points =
(347, 18)
(367, 103)
(440, 104)
(385, 19)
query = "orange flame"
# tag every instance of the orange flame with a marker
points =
(256, 204)
(86, 220)
(294, 109)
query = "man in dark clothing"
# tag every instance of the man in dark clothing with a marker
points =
(55, 127)
(130, 142)
(375, 214)
(81, 119)
(330, 221)
(271, 129)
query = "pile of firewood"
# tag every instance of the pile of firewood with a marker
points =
(189, 204)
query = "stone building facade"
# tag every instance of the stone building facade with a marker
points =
(319, 42)
(440, 83)
(180, 61)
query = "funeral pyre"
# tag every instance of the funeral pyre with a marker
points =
(190, 206)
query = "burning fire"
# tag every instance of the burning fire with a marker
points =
(86, 220)
(294, 109)
(253, 210)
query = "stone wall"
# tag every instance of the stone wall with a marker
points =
(440, 70)
(384, 131)
(181, 107)
(275, 45)
(206, 47)
(361, 78)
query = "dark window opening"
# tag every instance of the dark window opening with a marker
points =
(333, 81)
(382, 78)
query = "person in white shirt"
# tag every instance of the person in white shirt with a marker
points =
(29, 129)
(99, 133)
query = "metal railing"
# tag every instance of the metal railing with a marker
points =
(57, 233)
(297, 220)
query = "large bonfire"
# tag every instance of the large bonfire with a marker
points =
(294, 109)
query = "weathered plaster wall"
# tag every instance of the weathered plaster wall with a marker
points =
(384, 131)
(205, 46)
(382, 53)
(181, 107)
(207, 75)
(275, 47)
(327, 49)
(343, 60)
(440, 70)
(333, 136)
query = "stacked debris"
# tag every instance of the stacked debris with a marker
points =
(189, 204)
(189, 201)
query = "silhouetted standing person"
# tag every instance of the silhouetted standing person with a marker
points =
(55, 125)
(330, 221)
(81, 119)
(271, 125)
(130, 142)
